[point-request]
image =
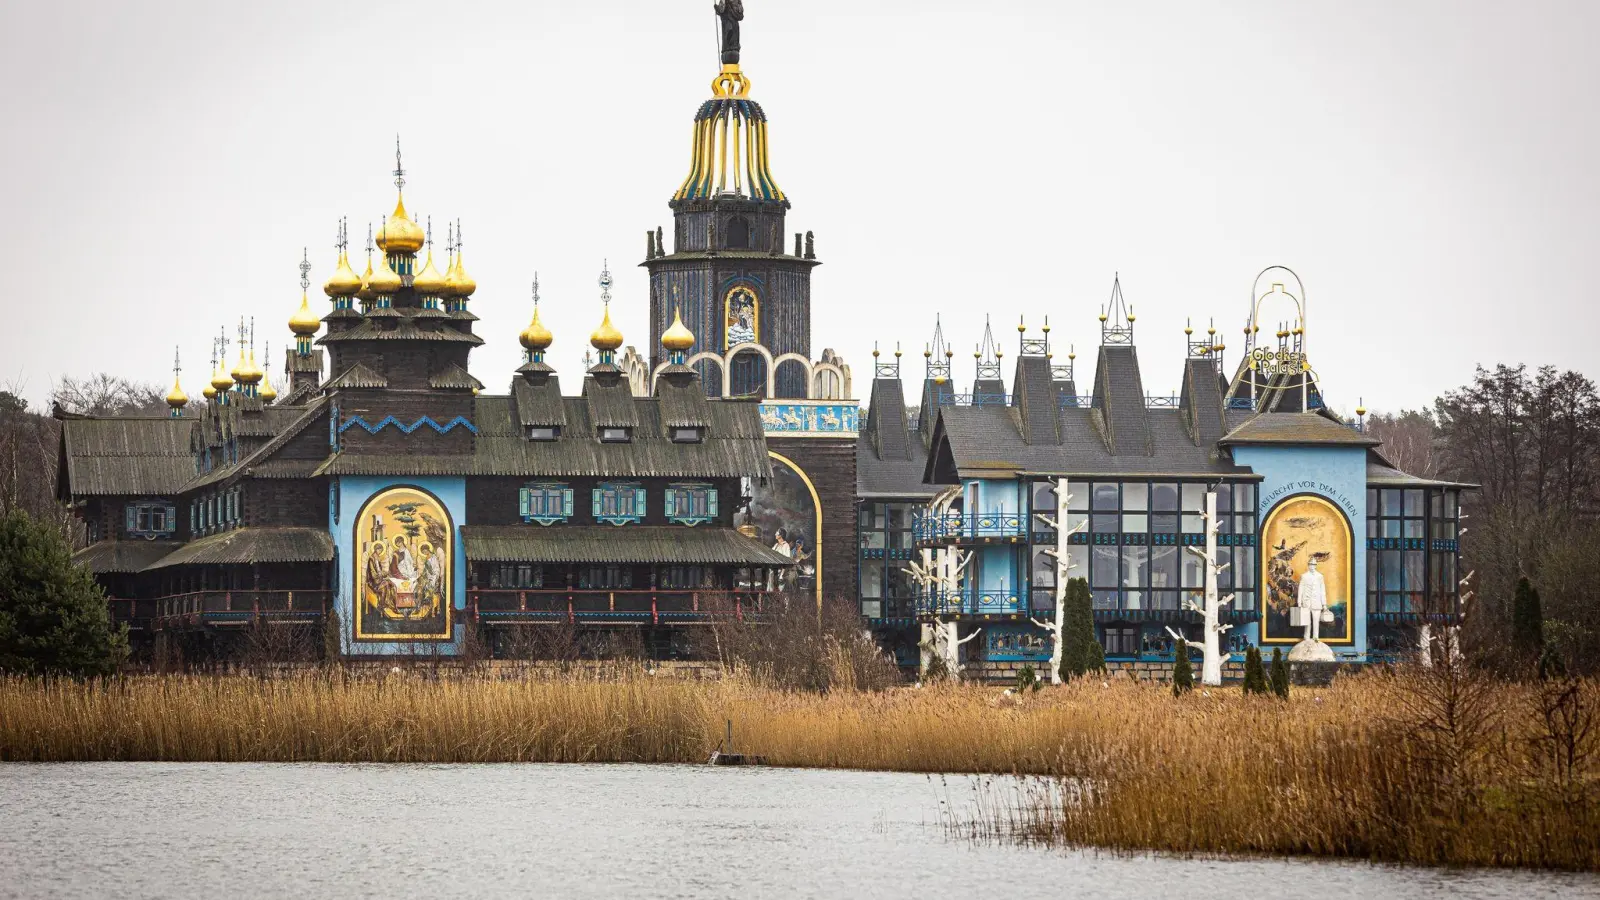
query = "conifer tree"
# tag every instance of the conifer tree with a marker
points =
(1081, 651)
(1527, 621)
(1255, 678)
(54, 619)
(1182, 672)
(1280, 674)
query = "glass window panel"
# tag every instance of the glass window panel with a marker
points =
(1224, 499)
(1374, 565)
(1244, 560)
(1436, 504)
(1105, 496)
(1193, 524)
(1044, 496)
(1224, 524)
(1372, 501)
(1105, 523)
(1372, 528)
(1136, 496)
(1164, 567)
(1044, 568)
(1106, 599)
(1078, 555)
(1414, 505)
(1244, 497)
(1135, 567)
(1414, 528)
(872, 609)
(1194, 571)
(1393, 574)
(899, 516)
(872, 579)
(1074, 519)
(1163, 599)
(1164, 497)
(900, 540)
(1390, 528)
(1393, 502)
(1106, 568)
(872, 540)
(899, 582)
(1194, 498)
(1450, 504)
(1245, 524)
(1077, 496)
(1416, 562)
(1133, 599)
(1164, 523)
(1134, 523)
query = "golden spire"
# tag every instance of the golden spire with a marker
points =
(606, 338)
(267, 392)
(428, 282)
(400, 234)
(678, 338)
(176, 398)
(304, 322)
(365, 293)
(536, 338)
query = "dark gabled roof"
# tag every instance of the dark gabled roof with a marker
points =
(540, 402)
(702, 545)
(126, 456)
(1035, 400)
(302, 416)
(404, 330)
(683, 403)
(454, 377)
(358, 376)
(886, 421)
(879, 478)
(1120, 400)
(1201, 401)
(311, 362)
(1380, 473)
(1296, 428)
(610, 402)
(122, 557)
(986, 442)
(253, 545)
(733, 446)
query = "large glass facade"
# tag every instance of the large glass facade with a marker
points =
(1412, 546)
(886, 589)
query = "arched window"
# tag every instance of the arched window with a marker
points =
(738, 233)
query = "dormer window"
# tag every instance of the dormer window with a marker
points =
(690, 435)
(150, 519)
(616, 435)
(543, 432)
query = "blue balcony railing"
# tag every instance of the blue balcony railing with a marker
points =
(958, 527)
(968, 601)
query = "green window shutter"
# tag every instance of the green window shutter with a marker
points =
(131, 517)
(597, 494)
(566, 501)
(172, 517)
(711, 502)
(522, 502)
(672, 501)
(638, 502)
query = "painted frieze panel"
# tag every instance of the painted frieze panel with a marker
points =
(405, 567)
(1307, 570)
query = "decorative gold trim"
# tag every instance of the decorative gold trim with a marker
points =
(816, 501)
(358, 600)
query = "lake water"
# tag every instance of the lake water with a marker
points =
(136, 830)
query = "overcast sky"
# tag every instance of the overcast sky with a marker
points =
(1429, 168)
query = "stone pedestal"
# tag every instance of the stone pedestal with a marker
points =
(1312, 674)
(1311, 651)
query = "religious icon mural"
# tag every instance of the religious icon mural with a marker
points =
(405, 568)
(788, 518)
(742, 312)
(1307, 573)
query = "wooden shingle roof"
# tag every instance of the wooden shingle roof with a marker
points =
(607, 544)
(126, 456)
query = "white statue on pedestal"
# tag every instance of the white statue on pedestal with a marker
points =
(1311, 611)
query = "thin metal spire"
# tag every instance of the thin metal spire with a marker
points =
(370, 245)
(305, 269)
(430, 235)
(177, 363)
(399, 170)
(536, 290)
(605, 283)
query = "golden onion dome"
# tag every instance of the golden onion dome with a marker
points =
(460, 283)
(428, 282)
(365, 291)
(210, 393)
(267, 391)
(247, 372)
(399, 234)
(384, 281)
(344, 282)
(305, 322)
(176, 398)
(536, 337)
(220, 380)
(678, 337)
(606, 337)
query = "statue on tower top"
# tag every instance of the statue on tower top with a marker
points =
(731, 12)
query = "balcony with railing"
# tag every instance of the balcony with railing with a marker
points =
(621, 606)
(938, 529)
(221, 608)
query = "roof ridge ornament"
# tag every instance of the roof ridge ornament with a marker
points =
(1112, 316)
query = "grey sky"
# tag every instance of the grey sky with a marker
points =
(1429, 168)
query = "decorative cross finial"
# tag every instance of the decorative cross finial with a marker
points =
(450, 238)
(305, 269)
(369, 239)
(223, 342)
(536, 290)
(343, 243)
(430, 235)
(177, 364)
(605, 283)
(399, 170)
(252, 334)
(459, 241)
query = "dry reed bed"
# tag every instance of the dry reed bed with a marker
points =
(1353, 770)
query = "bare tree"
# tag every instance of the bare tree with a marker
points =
(1211, 609)
(107, 395)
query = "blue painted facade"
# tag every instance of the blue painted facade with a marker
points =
(347, 495)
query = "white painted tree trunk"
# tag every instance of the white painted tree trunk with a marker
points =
(1425, 645)
(1211, 609)
(1063, 562)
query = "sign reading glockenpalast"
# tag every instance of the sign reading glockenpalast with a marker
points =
(405, 564)
(1272, 363)
(1308, 570)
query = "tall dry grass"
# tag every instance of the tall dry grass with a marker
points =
(1375, 767)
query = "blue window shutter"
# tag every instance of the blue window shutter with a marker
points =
(172, 517)
(566, 501)
(672, 501)
(711, 502)
(597, 493)
(522, 502)
(131, 517)
(638, 502)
